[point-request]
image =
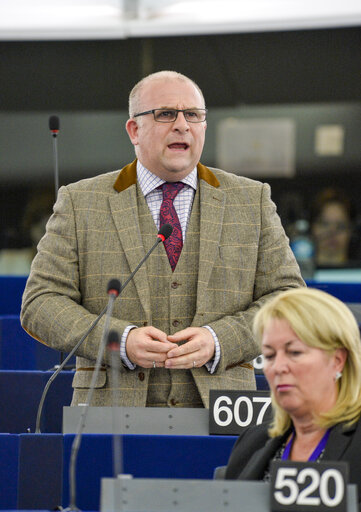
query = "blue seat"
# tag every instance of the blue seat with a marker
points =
(19, 351)
(11, 292)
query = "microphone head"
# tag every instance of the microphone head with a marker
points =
(113, 340)
(54, 124)
(165, 231)
(114, 287)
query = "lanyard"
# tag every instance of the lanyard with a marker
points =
(316, 452)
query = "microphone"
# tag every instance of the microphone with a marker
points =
(164, 232)
(113, 291)
(54, 126)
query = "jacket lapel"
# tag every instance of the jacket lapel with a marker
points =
(339, 440)
(125, 214)
(258, 463)
(212, 205)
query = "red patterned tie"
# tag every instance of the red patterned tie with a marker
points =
(168, 215)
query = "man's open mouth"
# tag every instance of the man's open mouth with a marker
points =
(179, 145)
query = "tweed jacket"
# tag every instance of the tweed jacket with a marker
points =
(254, 450)
(94, 235)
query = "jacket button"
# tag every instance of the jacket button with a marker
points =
(173, 401)
(145, 324)
(141, 376)
(175, 323)
(174, 285)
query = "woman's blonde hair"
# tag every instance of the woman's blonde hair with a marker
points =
(321, 321)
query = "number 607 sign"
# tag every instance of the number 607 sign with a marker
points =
(230, 411)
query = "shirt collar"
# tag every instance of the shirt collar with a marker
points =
(149, 181)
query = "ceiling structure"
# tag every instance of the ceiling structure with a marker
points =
(238, 64)
(120, 19)
(284, 67)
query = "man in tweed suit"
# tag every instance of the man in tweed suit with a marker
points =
(183, 332)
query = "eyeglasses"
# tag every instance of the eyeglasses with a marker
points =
(169, 115)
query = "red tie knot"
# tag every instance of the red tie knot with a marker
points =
(170, 190)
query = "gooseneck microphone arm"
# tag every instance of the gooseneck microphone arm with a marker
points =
(164, 232)
(114, 288)
(61, 366)
(54, 126)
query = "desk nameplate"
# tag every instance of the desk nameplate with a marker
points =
(138, 420)
(167, 495)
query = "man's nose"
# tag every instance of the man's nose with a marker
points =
(181, 122)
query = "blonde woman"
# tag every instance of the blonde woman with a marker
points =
(312, 350)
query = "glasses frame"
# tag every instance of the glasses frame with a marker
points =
(176, 110)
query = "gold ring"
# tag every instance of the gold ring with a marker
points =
(194, 364)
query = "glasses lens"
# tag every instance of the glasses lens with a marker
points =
(165, 116)
(195, 115)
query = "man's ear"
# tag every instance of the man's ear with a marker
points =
(132, 129)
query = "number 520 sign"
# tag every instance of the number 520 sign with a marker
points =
(308, 486)
(230, 410)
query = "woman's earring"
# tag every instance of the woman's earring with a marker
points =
(338, 376)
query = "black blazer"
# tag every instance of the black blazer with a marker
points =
(254, 449)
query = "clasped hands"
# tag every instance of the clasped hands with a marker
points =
(146, 345)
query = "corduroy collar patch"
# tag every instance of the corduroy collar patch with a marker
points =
(128, 176)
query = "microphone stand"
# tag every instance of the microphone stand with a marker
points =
(77, 440)
(113, 347)
(56, 164)
(61, 367)
(54, 126)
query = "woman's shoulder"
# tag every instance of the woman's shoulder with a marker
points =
(254, 434)
(249, 441)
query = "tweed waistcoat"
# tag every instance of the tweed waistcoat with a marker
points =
(173, 302)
